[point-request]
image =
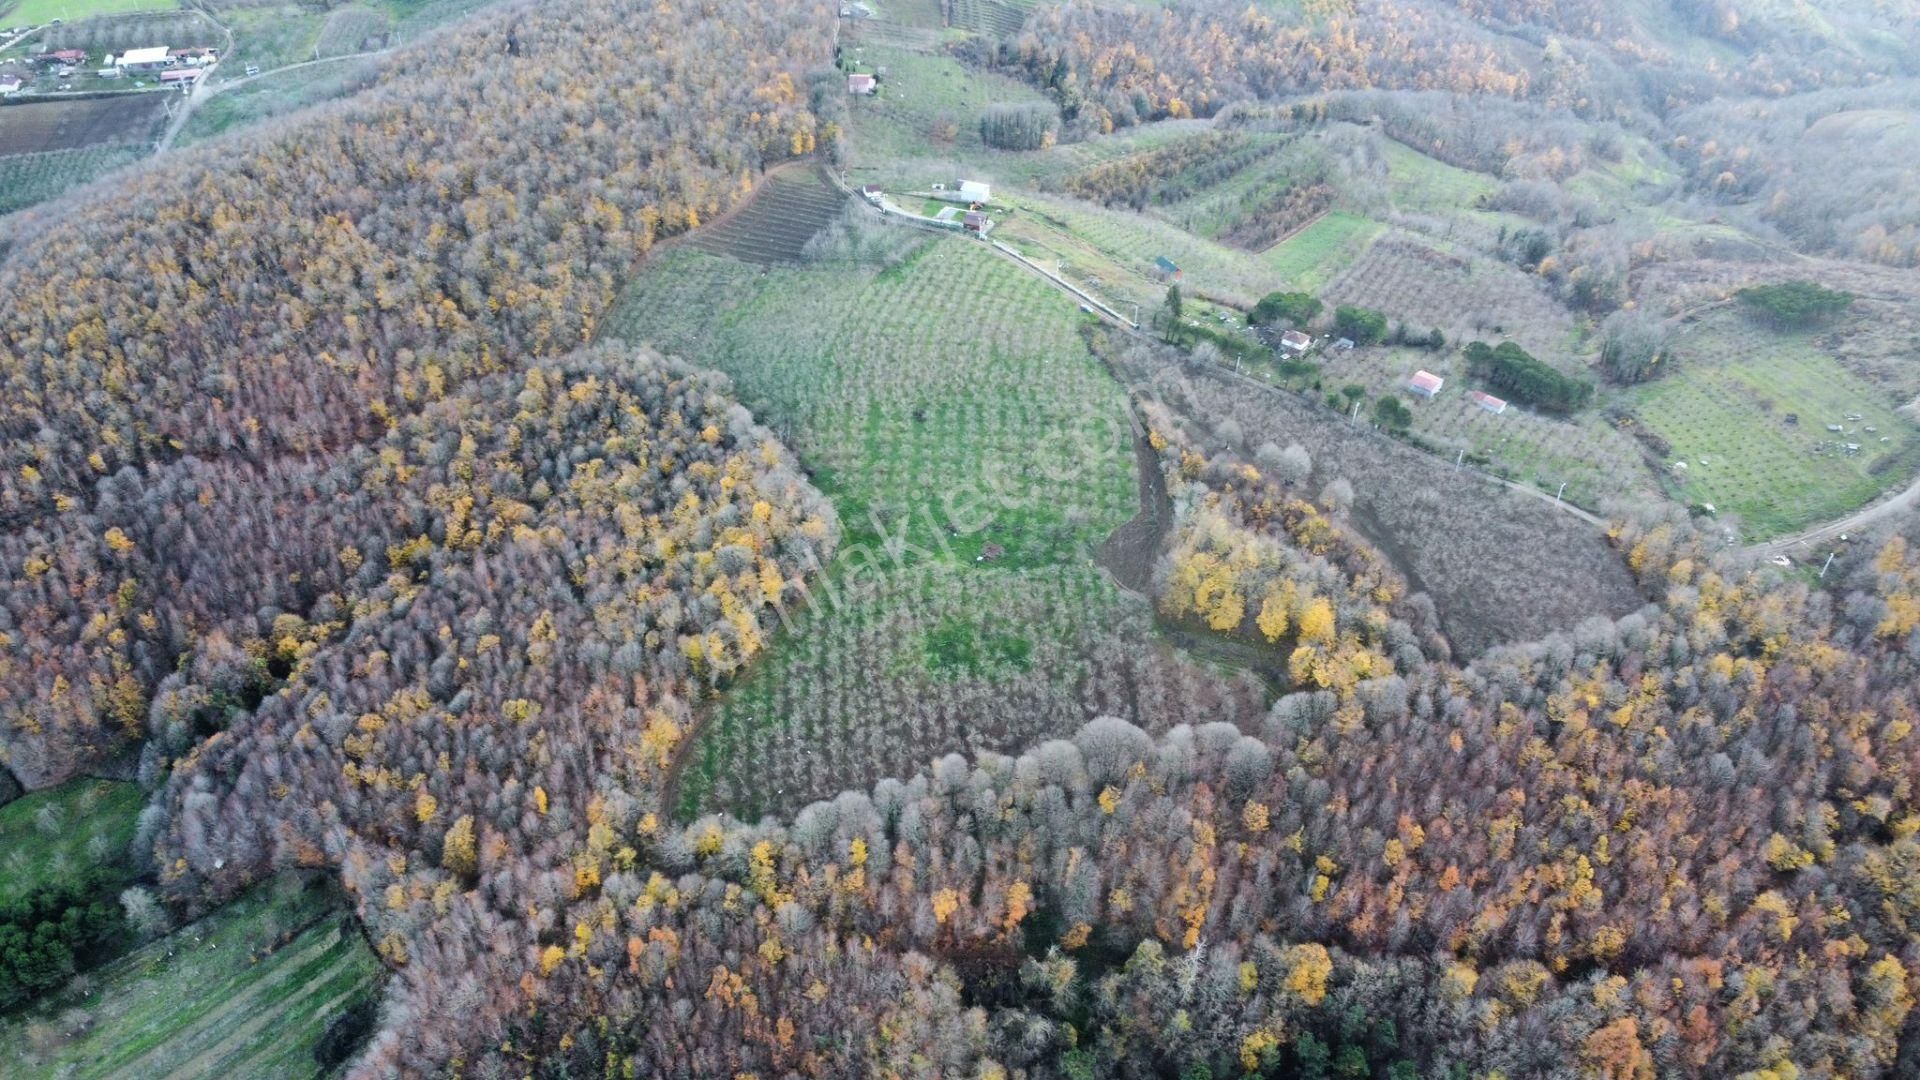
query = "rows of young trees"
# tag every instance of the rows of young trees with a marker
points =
(1170, 173)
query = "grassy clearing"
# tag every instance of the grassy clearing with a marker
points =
(1423, 184)
(36, 12)
(275, 95)
(977, 455)
(1310, 258)
(51, 835)
(26, 179)
(245, 992)
(1726, 409)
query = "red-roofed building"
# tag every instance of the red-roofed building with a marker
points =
(64, 56)
(176, 76)
(1488, 402)
(1295, 342)
(1425, 383)
(861, 83)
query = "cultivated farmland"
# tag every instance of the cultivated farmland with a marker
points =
(26, 179)
(995, 18)
(977, 455)
(1468, 297)
(351, 30)
(791, 207)
(40, 126)
(1748, 411)
(245, 992)
(1310, 258)
(1594, 459)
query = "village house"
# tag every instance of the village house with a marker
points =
(973, 191)
(977, 221)
(861, 83)
(1425, 384)
(1295, 342)
(181, 77)
(9, 85)
(1487, 401)
(63, 57)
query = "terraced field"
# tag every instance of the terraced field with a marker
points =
(245, 992)
(793, 204)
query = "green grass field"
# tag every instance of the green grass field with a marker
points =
(37, 12)
(50, 835)
(948, 402)
(1725, 411)
(1429, 185)
(1310, 258)
(245, 992)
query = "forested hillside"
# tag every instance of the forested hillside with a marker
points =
(1754, 98)
(341, 509)
(238, 322)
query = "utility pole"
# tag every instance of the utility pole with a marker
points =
(1355, 418)
(1557, 494)
(1458, 458)
(1829, 562)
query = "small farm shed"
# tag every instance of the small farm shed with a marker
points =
(1345, 344)
(1295, 342)
(1488, 402)
(9, 86)
(177, 76)
(148, 59)
(1425, 383)
(1166, 268)
(861, 83)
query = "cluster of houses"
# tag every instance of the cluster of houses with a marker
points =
(168, 66)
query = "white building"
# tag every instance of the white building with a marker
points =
(975, 191)
(144, 59)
